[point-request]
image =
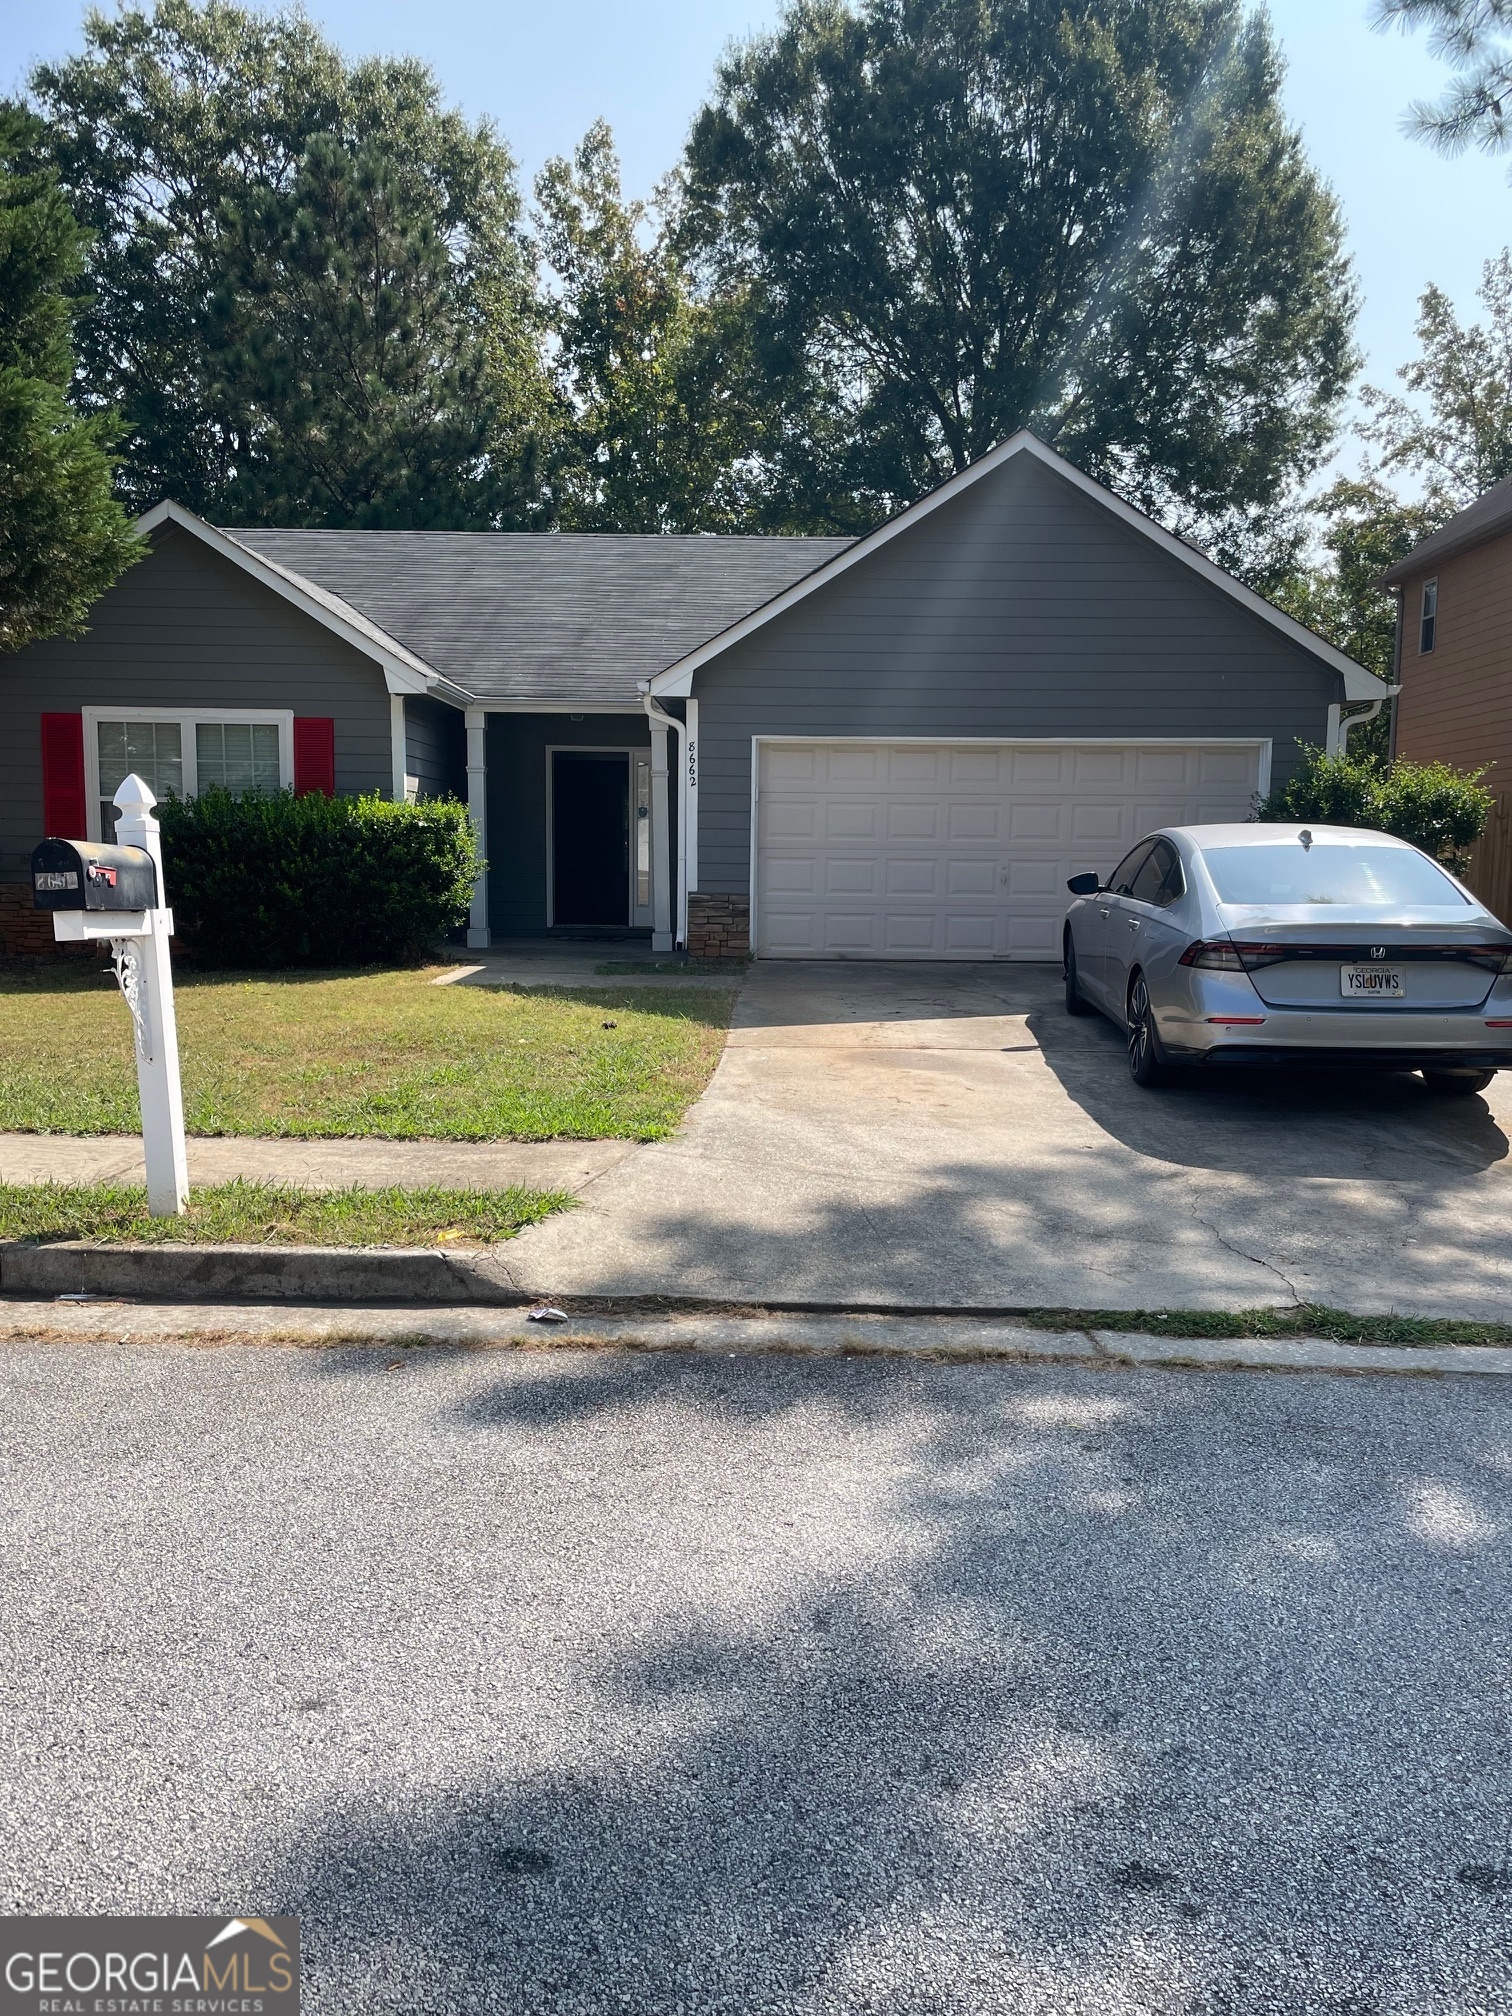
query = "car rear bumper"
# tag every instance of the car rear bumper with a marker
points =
(1340, 1057)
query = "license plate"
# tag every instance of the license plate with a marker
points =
(1371, 983)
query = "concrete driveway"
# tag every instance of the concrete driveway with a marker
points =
(947, 1136)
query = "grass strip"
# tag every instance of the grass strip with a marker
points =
(273, 1214)
(1303, 1319)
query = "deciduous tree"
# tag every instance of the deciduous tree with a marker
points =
(1455, 433)
(959, 217)
(657, 408)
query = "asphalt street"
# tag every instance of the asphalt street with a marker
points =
(549, 1682)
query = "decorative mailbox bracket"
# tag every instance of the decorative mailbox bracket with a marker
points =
(138, 940)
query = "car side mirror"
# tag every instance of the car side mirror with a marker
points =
(1085, 885)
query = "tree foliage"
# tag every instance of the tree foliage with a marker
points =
(655, 404)
(299, 272)
(959, 217)
(1455, 433)
(1366, 528)
(1438, 808)
(63, 537)
(1475, 38)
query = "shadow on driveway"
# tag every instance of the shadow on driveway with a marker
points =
(1351, 1124)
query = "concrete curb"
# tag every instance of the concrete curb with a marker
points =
(960, 1340)
(258, 1274)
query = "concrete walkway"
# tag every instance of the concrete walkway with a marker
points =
(319, 1165)
(946, 1136)
(566, 962)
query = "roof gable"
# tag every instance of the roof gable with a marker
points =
(1359, 684)
(403, 671)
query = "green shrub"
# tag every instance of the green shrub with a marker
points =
(283, 881)
(1438, 808)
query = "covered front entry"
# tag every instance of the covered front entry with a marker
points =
(600, 838)
(961, 850)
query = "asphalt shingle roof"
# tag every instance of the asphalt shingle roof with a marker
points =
(1487, 516)
(530, 617)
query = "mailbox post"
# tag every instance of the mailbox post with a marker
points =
(116, 894)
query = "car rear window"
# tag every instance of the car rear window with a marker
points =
(1288, 872)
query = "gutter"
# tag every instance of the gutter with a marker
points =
(1336, 740)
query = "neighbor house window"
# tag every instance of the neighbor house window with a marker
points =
(179, 755)
(1430, 616)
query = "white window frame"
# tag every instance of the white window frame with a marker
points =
(188, 719)
(1428, 618)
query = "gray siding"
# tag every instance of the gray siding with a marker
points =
(184, 628)
(1021, 608)
(435, 744)
(517, 746)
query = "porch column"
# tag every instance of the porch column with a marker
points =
(661, 879)
(478, 938)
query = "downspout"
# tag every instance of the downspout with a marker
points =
(1357, 721)
(656, 712)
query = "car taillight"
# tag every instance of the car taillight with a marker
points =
(1213, 952)
(1232, 955)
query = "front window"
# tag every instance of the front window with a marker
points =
(1330, 873)
(180, 755)
(1429, 626)
(153, 749)
(238, 755)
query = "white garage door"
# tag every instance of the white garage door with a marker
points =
(925, 850)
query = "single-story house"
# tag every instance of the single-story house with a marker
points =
(898, 746)
(1454, 667)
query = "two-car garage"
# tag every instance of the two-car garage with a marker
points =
(914, 849)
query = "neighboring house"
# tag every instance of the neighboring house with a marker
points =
(896, 747)
(1454, 667)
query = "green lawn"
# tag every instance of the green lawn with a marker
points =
(274, 1214)
(343, 1055)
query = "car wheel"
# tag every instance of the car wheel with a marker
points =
(1457, 1084)
(1075, 1005)
(1147, 1066)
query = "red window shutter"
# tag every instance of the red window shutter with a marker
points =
(63, 814)
(314, 756)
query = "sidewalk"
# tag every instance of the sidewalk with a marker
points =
(319, 1165)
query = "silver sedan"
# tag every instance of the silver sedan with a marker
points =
(1292, 945)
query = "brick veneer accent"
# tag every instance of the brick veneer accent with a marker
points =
(23, 930)
(26, 933)
(719, 927)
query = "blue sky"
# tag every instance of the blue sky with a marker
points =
(543, 71)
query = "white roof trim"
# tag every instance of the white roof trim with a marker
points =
(403, 671)
(1358, 683)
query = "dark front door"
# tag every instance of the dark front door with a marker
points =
(590, 838)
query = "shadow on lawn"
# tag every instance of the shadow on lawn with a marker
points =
(1040, 1739)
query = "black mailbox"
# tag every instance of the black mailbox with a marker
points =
(78, 875)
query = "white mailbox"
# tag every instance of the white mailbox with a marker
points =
(86, 889)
